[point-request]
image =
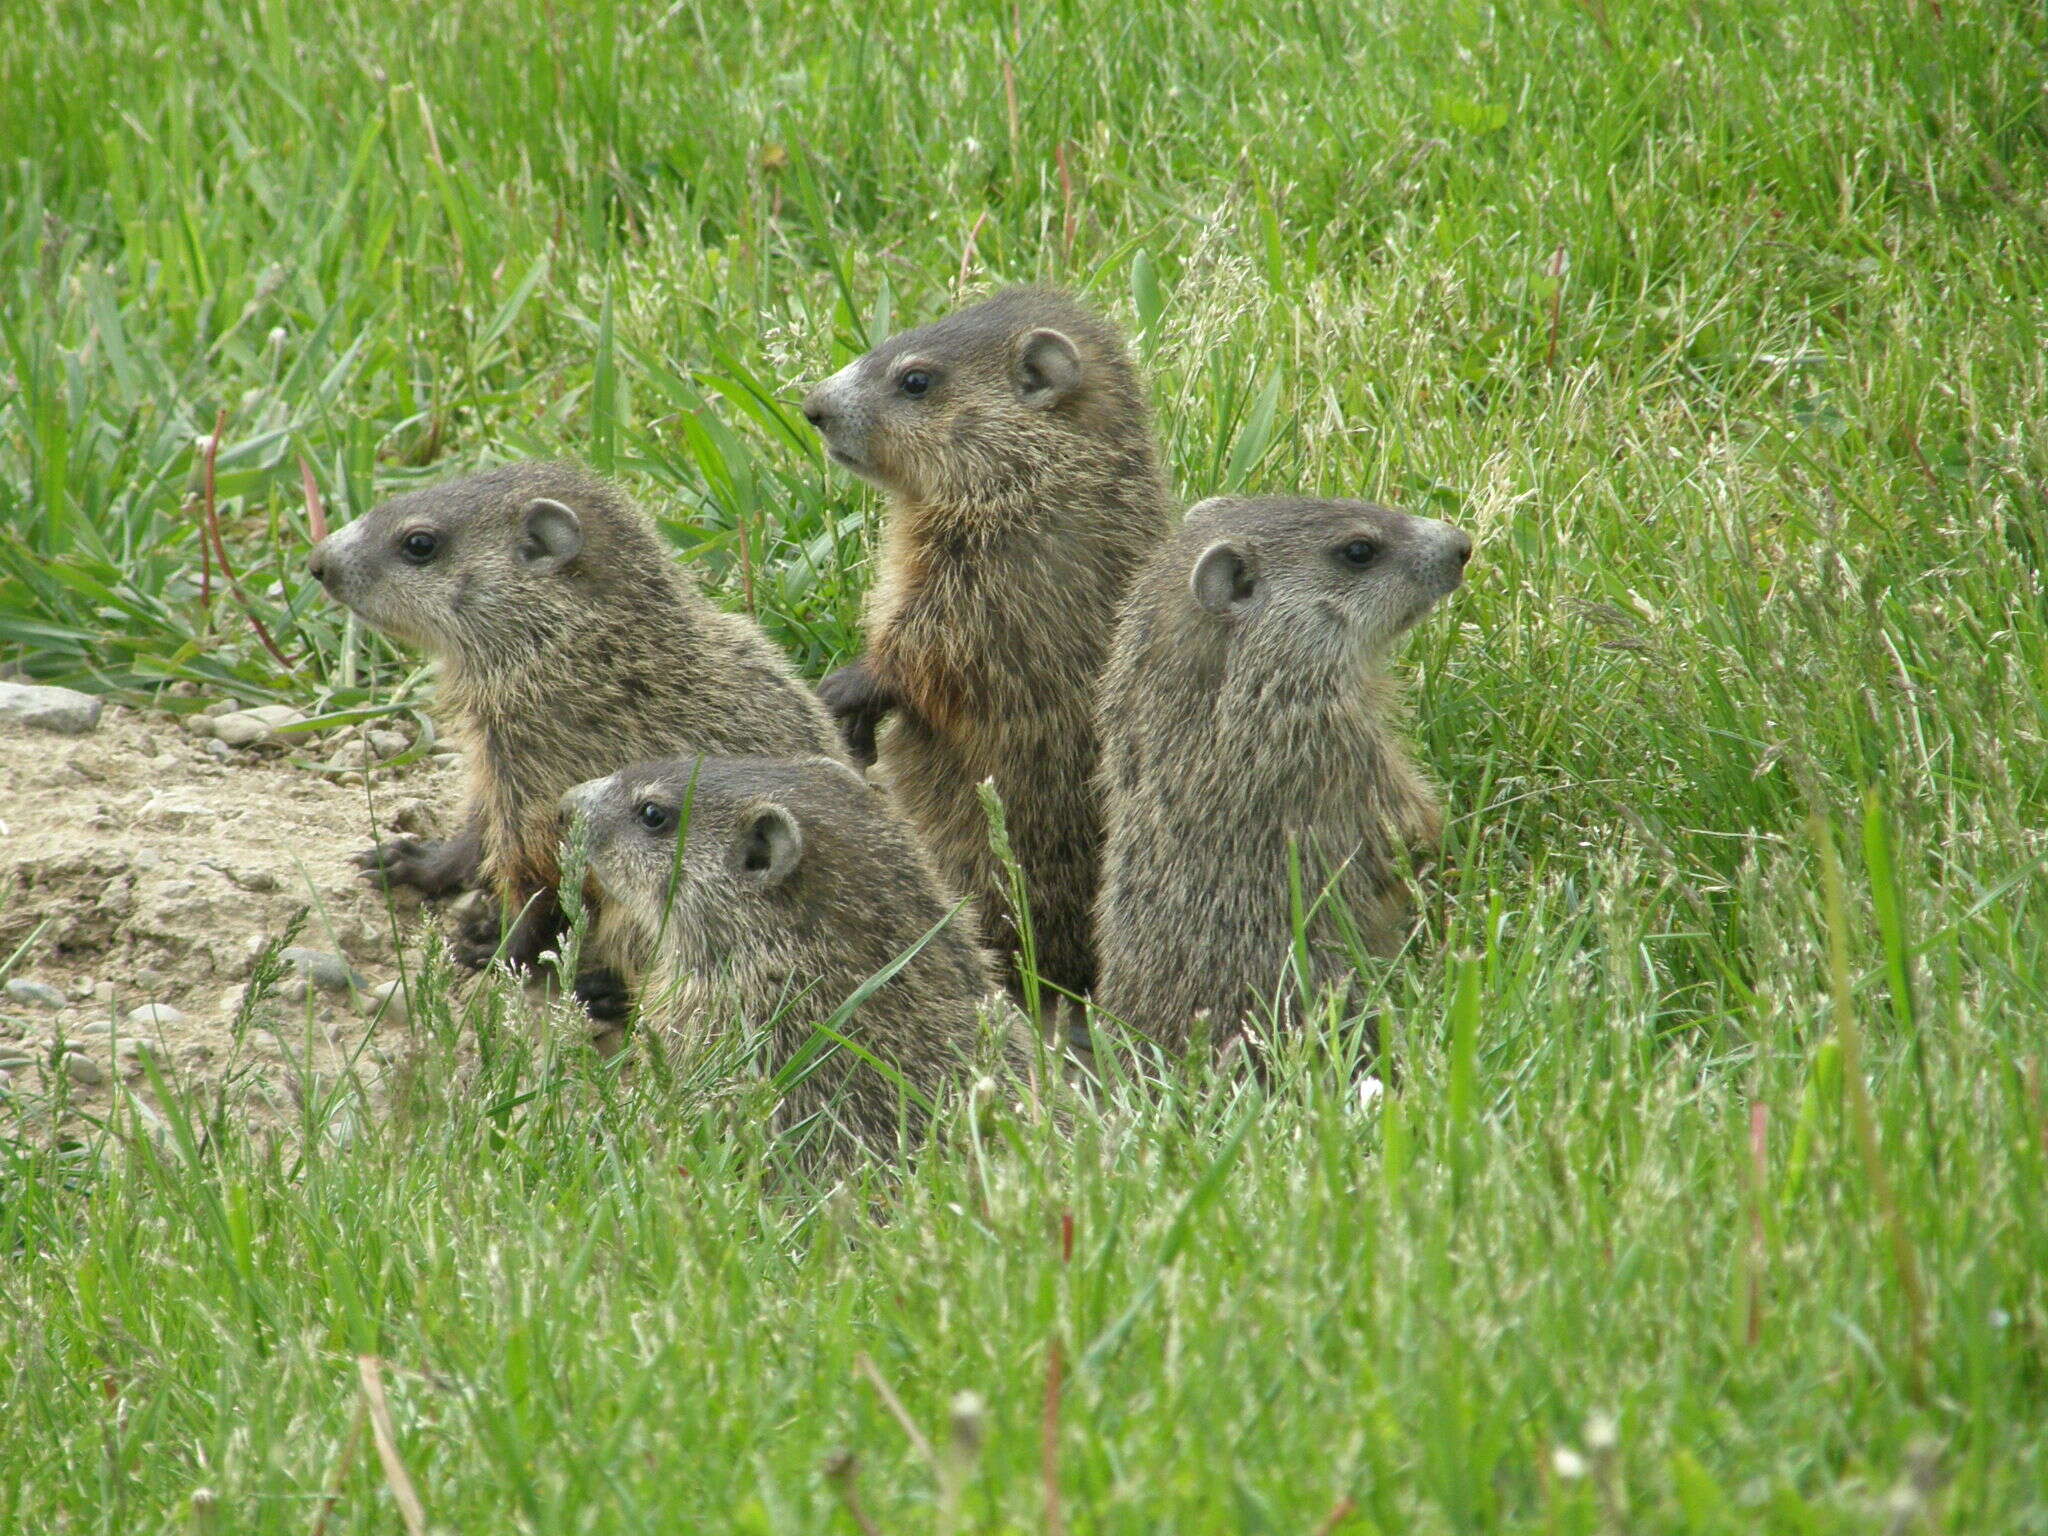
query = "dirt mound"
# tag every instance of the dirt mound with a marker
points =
(146, 869)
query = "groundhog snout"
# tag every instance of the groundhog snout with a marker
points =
(317, 562)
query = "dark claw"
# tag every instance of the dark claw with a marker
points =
(431, 866)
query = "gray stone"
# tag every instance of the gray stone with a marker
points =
(276, 716)
(62, 710)
(386, 743)
(36, 994)
(242, 730)
(221, 707)
(355, 754)
(328, 972)
(150, 979)
(154, 1016)
(219, 750)
(387, 1002)
(84, 1069)
(197, 725)
(12, 1056)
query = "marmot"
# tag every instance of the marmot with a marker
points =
(1025, 492)
(568, 644)
(795, 883)
(1245, 710)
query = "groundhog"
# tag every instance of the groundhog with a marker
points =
(795, 883)
(1017, 450)
(1246, 712)
(568, 644)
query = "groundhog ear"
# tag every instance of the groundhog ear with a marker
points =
(1223, 579)
(768, 847)
(553, 537)
(1048, 368)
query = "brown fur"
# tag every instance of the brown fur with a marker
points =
(1025, 492)
(796, 883)
(1235, 727)
(558, 661)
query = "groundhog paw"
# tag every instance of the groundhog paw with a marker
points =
(477, 936)
(604, 996)
(431, 866)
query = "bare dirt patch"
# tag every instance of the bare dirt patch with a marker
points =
(148, 869)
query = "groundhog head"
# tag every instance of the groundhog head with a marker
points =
(478, 563)
(701, 858)
(1299, 573)
(982, 403)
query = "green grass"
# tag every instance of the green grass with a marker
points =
(1721, 326)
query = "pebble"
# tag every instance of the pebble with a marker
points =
(12, 1056)
(255, 727)
(197, 725)
(103, 993)
(386, 1002)
(37, 994)
(155, 1016)
(386, 743)
(220, 750)
(81, 989)
(150, 979)
(84, 1069)
(353, 754)
(328, 972)
(62, 710)
(221, 707)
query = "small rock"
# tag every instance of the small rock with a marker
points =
(36, 994)
(276, 716)
(386, 743)
(84, 1069)
(293, 989)
(154, 1016)
(62, 710)
(81, 989)
(95, 1027)
(221, 707)
(103, 993)
(356, 754)
(198, 725)
(183, 688)
(12, 1056)
(219, 750)
(242, 730)
(151, 980)
(328, 972)
(387, 1002)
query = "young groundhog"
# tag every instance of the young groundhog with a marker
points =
(568, 645)
(1016, 447)
(1246, 711)
(795, 883)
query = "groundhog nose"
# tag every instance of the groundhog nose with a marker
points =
(317, 563)
(814, 412)
(1461, 548)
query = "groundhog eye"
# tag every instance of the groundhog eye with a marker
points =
(1359, 553)
(653, 817)
(419, 546)
(915, 382)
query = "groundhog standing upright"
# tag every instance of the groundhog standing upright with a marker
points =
(1015, 444)
(1246, 716)
(761, 894)
(568, 644)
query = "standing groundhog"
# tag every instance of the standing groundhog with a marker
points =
(1025, 492)
(1244, 711)
(568, 644)
(795, 883)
